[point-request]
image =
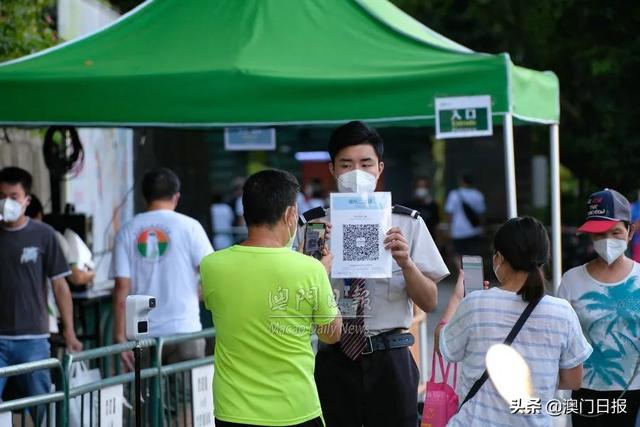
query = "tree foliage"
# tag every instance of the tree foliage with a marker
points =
(26, 26)
(593, 47)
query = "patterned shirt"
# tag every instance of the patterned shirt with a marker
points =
(550, 340)
(610, 317)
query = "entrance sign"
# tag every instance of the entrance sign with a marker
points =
(463, 117)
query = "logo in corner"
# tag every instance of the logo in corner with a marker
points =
(152, 243)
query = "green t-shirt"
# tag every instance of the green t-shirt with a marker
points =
(264, 303)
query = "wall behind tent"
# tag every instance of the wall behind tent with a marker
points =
(186, 152)
(101, 190)
(23, 148)
(483, 158)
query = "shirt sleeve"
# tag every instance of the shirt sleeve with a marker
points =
(326, 308)
(200, 244)
(481, 203)
(449, 205)
(207, 283)
(454, 336)
(425, 254)
(120, 263)
(64, 247)
(576, 348)
(55, 263)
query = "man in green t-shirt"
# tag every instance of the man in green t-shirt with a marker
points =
(266, 299)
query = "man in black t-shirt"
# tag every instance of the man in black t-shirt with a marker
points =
(29, 255)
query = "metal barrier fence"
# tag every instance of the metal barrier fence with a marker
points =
(42, 408)
(166, 389)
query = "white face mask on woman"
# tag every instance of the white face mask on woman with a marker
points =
(610, 249)
(357, 181)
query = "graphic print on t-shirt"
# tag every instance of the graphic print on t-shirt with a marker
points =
(152, 243)
(616, 328)
(29, 254)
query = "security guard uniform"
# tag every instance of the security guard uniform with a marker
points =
(379, 388)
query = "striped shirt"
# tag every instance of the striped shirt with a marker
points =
(550, 340)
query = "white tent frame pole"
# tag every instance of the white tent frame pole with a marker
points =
(510, 166)
(556, 224)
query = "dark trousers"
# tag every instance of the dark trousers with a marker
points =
(316, 422)
(377, 390)
(632, 398)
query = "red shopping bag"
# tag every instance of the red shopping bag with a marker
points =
(441, 400)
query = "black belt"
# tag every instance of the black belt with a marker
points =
(382, 342)
(388, 341)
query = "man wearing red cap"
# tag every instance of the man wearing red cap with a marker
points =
(605, 293)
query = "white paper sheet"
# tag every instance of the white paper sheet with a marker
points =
(360, 222)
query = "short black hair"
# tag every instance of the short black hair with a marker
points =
(35, 207)
(524, 243)
(266, 196)
(15, 175)
(467, 179)
(160, 184)
(355, 133)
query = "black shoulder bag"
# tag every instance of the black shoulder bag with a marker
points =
(512, 335)
(469, 212)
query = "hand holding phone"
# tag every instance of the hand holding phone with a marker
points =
(315, 235)
(473, 273)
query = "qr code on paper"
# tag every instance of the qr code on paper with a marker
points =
(360, 242)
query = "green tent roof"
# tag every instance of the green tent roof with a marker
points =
(257, 62)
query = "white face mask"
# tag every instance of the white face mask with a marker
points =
(10, 210)
(292, 239)
(292, 236)
(422, 193)
(495, 271)
(610, 249)
(357, 181)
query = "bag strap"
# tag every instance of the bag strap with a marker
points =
(512, 335)
(444, 372)
(433, 366)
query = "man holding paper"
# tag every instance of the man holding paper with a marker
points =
(370, 378)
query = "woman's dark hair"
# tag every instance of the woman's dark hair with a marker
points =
(524, 243)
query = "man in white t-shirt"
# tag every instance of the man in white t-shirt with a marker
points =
(158, 253)
(466, 232)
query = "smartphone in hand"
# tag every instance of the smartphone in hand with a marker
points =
(315, 239)
(473, 273)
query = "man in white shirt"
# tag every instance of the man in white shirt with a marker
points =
(158, 253)
(466, 231)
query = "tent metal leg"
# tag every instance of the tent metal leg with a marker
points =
(556, 225)
(510, 166)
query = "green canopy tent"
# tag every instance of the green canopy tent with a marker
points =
(207, 63)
